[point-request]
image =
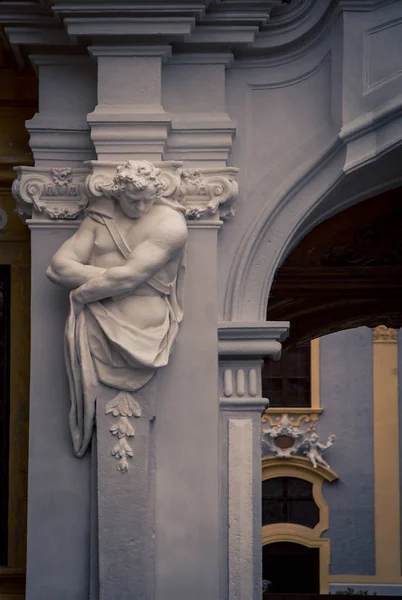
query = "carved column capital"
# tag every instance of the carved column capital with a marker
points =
(62, 193)
(103, 173)
(241, 347)
(209, 194)
(50, 193)
(382, 333)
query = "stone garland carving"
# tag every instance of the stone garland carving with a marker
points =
(285, 440)
(56, 193)
(125, 407)
(125, 270)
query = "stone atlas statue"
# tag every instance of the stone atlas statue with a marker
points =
(125, 269)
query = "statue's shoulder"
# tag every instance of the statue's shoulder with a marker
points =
(169, 223)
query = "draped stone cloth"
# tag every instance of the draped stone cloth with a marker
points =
(102, 346)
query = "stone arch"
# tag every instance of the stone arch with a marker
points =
(331, 183)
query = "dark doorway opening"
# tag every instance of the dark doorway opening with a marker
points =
(291, 568)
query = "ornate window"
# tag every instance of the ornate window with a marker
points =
(289, 500)
(287, 382)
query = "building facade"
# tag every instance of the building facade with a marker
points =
(269, 121)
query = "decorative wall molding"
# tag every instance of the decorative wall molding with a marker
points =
(296, 466)
(241, 347)
(285, 440)
(382, 334)
(295, 415)
(240, 385)
(236, 338)
(55, 193)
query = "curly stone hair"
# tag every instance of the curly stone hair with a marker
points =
(135, 176)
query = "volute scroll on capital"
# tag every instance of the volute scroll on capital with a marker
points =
(50, 193)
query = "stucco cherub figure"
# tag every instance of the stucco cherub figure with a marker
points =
(124, 267)
(314, 449)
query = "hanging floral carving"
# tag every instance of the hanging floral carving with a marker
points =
(125, 407)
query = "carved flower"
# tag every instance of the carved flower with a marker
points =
(62, 175)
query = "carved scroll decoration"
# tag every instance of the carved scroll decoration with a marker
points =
(56, 193)
(209, 193)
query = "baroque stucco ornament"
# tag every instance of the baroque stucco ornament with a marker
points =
(56, 193)
(285, 440)
(209, 193)
(124, 267)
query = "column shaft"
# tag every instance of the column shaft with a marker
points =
(58, 484)
(187, 456)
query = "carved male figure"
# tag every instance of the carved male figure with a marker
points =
(125, 269)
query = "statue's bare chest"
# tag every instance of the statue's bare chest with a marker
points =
(105, 248)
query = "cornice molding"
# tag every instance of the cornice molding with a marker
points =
(252, 339)
(206, 24)
(253, 29)
(272, 466)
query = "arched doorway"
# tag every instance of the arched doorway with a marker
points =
(346, 276)
(345, 273)
(291, 568)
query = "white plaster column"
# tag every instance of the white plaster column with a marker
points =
(49, 196)
(129, 121)
(187, 503)
(241, 346)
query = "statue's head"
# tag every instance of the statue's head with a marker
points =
(136, 186)
(313, 437)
